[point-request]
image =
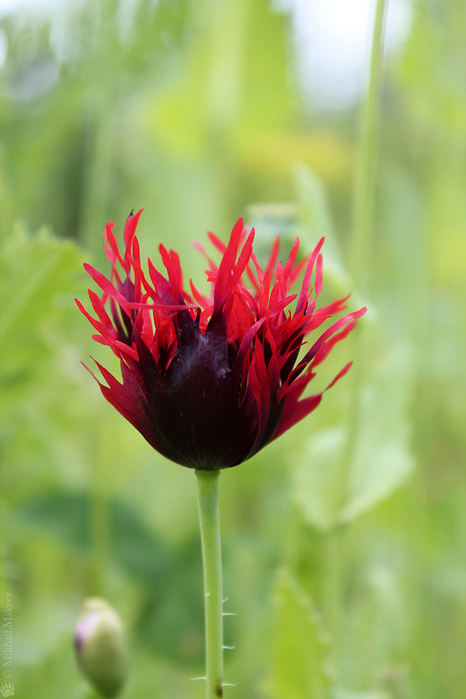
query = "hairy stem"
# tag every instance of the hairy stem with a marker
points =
(207, 482)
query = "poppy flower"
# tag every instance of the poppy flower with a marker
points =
(209, 380)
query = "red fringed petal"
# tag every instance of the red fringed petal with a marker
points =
(229, 365)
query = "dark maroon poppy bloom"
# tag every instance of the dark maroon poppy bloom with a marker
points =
(210, 380)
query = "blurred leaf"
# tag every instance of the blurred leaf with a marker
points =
(382, 459)
(317, 477)
(171, 619)
(327, 488)
(317, 222)
(330, 485)
(298, 649)
(310, 219)
(171, 622)
(66, 517)
(38, 275)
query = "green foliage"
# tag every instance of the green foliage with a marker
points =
(299, 653)
(343, 541)
(342, 471)
(66, 517)
(38, 274)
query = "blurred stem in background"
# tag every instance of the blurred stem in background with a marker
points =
(363, 210)
(338, 541)
(366, 156)
(101, 72)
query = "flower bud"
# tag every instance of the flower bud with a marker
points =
(100, 647)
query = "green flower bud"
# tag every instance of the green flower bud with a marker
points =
(100, 646)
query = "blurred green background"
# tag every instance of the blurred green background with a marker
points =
(345, 541)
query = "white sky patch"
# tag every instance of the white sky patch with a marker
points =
(332, 40)
(32, 7)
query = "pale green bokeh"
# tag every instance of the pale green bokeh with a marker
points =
(193, 111)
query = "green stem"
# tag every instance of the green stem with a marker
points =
(339, 541)
(363, 212)
(207, 482)
(365, 167)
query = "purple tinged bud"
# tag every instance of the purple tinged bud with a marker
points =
(100, 647)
